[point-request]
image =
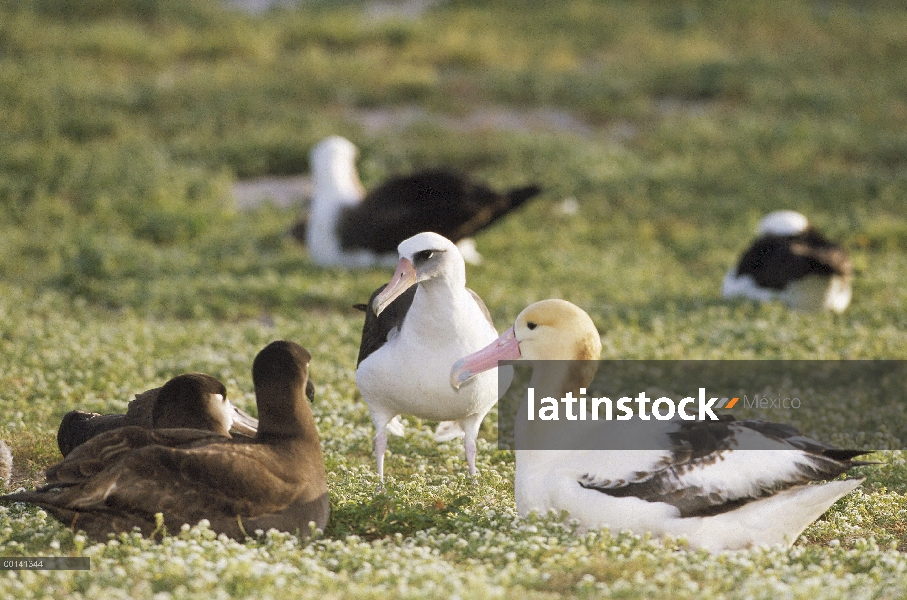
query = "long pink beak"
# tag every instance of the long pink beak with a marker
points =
(505, 347)
(404, 278)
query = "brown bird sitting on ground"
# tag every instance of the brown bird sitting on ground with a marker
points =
(79, 426)
(121, 479)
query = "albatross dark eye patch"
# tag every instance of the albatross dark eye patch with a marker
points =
(422, 256)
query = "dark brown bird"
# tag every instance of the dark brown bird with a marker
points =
(120, 479)
(79, 426)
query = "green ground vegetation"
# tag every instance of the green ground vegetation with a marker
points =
(673, 126)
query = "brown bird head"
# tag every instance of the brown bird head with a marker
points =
(195, 401)
(280, 373)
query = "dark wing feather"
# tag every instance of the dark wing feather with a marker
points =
(141, 408)
(495, 206)
(103, 450)
(218, 482)
(775, 261)
(242, 478)
(377, 327)
(697, 445)
(77, 427)
(195, 483)
(444, 202)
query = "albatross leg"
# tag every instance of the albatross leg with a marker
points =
(380, 447)
(381, 420)
(471, 426)
(470, 445)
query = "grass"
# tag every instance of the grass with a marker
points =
(123, 263)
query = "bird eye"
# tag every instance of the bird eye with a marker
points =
(531, 325)
(421, 257)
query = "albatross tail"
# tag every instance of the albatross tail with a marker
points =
(521, 194)
(777, 519)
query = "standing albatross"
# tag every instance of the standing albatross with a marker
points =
(694, 485)
(120, 479)
(792, 262)
(349, 228)
(416, 327)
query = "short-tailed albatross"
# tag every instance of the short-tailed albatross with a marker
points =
(121, 478)
(192, 400)
(695, 486)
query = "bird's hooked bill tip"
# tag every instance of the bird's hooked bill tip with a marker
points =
(459, 374)
(506, 347)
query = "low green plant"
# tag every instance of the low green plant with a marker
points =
(671, 128)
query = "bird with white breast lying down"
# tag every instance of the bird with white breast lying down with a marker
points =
(416, 328)
(693, 486)
(792, 262)
(350, 228)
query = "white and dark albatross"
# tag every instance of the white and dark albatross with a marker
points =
(348, 227)
(792, 262)
(692, 484)
(416, 328)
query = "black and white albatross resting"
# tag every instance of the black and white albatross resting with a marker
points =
(792, 262)
(121, 478)
(348, 227)
(696, 485)
(416, 327)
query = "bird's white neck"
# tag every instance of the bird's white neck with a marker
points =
(336, 186)
(339, 181)
(446, 315)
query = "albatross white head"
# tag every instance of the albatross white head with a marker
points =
(333, 162)
(783, 223)
(424, 257)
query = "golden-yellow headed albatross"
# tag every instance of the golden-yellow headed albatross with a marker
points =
(717, 497)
